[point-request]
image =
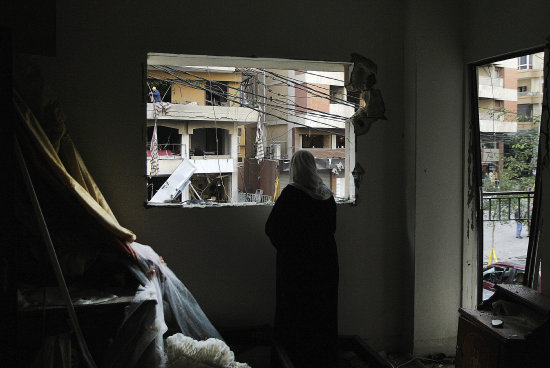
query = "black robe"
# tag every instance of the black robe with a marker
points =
(302, 230)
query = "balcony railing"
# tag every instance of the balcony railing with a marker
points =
(257, 197)
(168, 151)
(488, 81)
(503, 206)
(528, 93)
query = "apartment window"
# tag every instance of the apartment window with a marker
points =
(522, 89)
(525, 112)
(238, 121)
(313, 141)
(340, 142)
(525, 62)
(337, 93)
(216, 93)
(160, 88)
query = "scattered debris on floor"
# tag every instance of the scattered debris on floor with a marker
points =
(350, 359)
(400, 360)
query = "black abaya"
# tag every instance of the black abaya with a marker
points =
(302, 230)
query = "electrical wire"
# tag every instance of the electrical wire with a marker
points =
(217, 143)
(266, 113)
(299, 85)
(284, 103)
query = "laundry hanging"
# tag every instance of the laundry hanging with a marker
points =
(259, 140)
(154, 147)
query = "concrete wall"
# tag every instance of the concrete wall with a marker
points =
(231, 272)
(434, 179)
(185, 94)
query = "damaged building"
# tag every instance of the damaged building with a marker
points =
(224, 118)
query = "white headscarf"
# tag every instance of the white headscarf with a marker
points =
(303, 175)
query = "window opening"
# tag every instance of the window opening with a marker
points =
(525, 62)
(313, 141)
(163, 87)
(238, 121)
(509, 127)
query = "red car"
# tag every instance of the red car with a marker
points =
(501, 273)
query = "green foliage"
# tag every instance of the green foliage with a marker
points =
(519, 164)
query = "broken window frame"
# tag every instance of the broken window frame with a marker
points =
(296, 65)
(474, 192)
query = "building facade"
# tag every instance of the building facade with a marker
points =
(226, 134)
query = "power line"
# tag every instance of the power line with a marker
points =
(262, 112)
(285, 103)
(193, 85)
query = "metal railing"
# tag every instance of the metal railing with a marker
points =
(506, 206)
(254, 197)
(168, 150)
(528, 93)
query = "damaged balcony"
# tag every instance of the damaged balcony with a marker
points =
(194, 111)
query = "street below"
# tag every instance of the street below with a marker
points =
(501, 236)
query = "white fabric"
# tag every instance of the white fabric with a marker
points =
(154, 153)
(185, 352)
(184, 308)
(174, 302)
(304, 176)
(259, 140)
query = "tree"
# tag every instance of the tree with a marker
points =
(519, 163)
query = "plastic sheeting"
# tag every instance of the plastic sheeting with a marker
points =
(182, 305)
(140, 340)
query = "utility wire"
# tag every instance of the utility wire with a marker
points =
(300, 85)
(285, 103)
(187, 83)
(267, 113)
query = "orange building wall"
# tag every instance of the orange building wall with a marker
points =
(318, 103)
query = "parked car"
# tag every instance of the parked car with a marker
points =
(501, 273)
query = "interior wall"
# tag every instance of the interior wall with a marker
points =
(500, 33)
(434, 106)
(222, 255)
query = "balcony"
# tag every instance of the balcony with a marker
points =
(502, 206)
(201, 113)
(171, 155)
(528, 93)
(488, 81)
(529, 73)
(531, 97)
(314, 121)
(497, 92)
(496, 116)
(497, 126)
(341, 110)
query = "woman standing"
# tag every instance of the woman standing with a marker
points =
(301, 227)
